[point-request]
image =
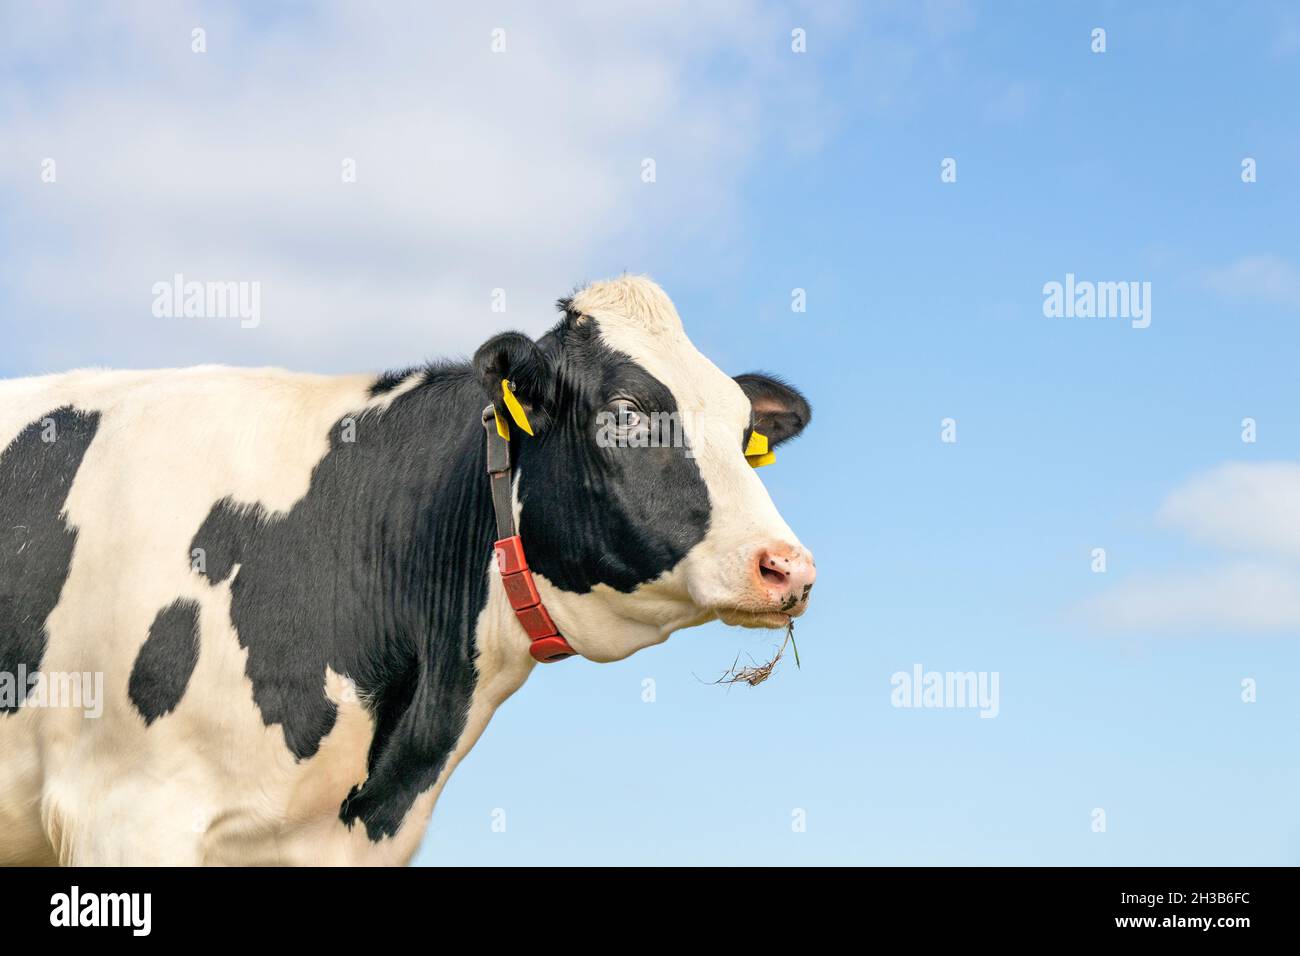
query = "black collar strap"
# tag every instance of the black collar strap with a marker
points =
(547, 645)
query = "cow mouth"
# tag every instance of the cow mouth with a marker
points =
(742, 617)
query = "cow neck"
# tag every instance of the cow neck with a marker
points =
(547, 644)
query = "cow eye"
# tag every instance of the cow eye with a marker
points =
(629, 417)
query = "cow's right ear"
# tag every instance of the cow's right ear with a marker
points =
(514, 357)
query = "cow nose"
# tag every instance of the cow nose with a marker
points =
(787, 574)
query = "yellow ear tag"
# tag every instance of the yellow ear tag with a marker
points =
(756, 452)
(516, 410)
(502, 428)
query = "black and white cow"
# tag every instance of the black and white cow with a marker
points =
(286, 583)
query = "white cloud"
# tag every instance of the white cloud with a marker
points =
(1249, 508)
(1251, 598)
(519, 170)
(1241, 507)
(1267, 279)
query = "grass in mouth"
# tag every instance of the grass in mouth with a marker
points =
(754, 674)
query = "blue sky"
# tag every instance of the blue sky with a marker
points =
(775, 171)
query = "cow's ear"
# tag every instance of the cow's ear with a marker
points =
(515, 358)
(780, 412)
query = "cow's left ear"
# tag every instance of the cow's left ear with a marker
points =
(780, 412)
(515, 358)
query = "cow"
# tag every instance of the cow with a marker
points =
(294, 601)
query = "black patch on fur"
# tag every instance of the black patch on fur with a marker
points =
(619, 516)
(378, 573)
(36, 542)
(390, 380)
(166, 660)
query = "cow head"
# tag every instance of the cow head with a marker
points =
(637, 506)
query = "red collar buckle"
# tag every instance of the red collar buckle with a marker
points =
(548, 646)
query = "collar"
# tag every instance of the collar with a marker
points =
(548, 645)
